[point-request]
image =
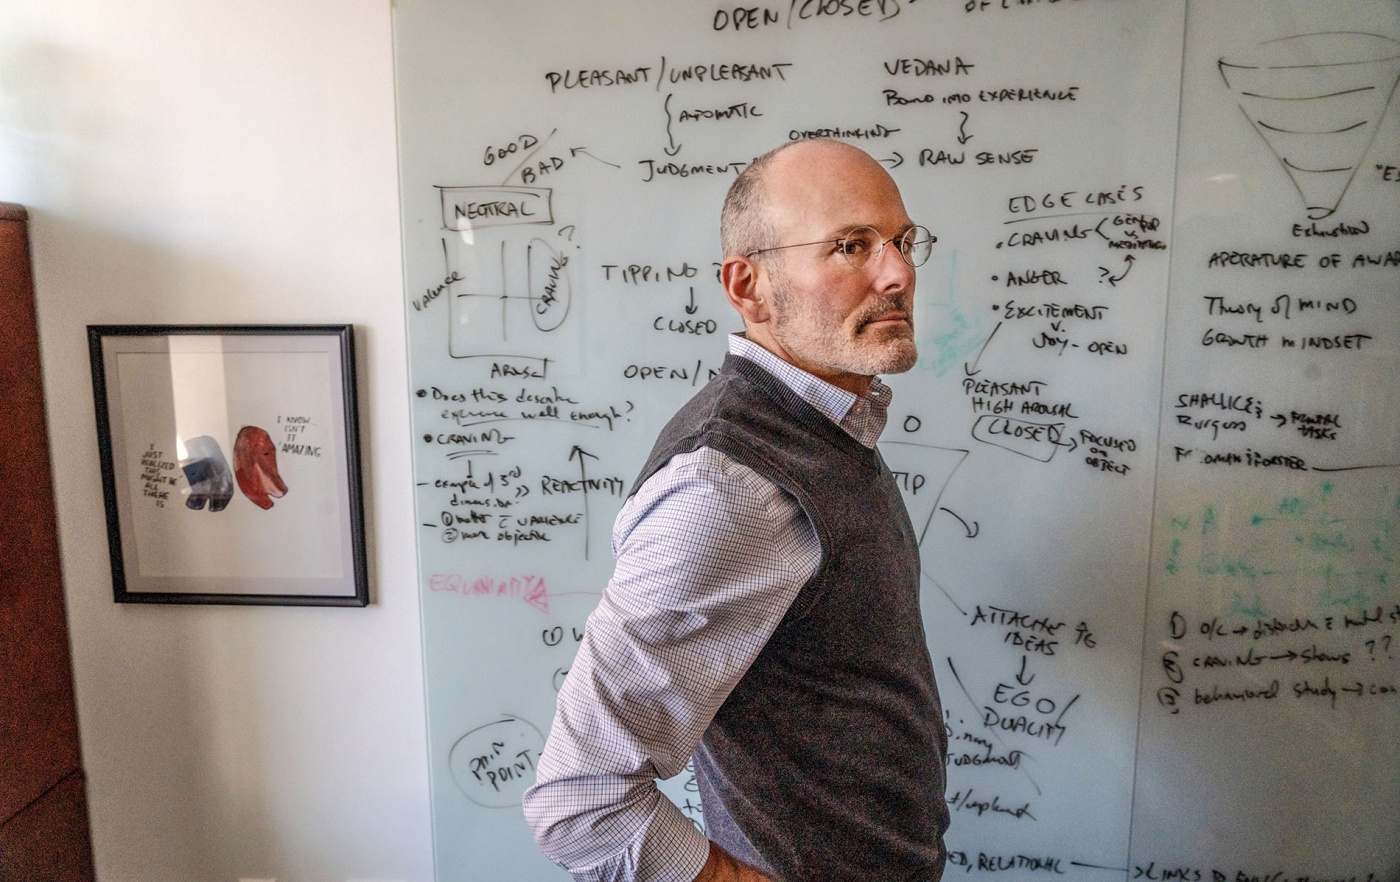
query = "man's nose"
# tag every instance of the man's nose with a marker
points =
(891, 270)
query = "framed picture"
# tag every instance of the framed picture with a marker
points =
(230, 468)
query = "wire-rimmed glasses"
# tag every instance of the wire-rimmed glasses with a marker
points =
(864, 244)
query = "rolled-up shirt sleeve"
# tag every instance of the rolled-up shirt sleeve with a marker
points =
(709, 558)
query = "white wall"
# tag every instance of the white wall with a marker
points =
(201, 161)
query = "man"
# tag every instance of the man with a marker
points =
(764, 610)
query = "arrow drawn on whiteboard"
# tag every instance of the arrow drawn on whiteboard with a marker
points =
(972, 531)
(1108, 276)
(896, 160)
(1057, 432)
(580, 453)
(915, 462)
(673, 148)
(575, 151)
(692, 308)
(567, 231)
(1027, 681)
(963, 136)
(974, 370)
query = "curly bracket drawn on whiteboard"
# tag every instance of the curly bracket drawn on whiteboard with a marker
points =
(672, 148)
(1317, 101)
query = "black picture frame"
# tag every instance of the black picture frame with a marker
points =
(230, 463)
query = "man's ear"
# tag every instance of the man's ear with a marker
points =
(742, 285)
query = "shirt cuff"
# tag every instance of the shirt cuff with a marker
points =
(668, 848)
(673, 850)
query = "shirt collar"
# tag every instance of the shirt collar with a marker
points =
(863, 417)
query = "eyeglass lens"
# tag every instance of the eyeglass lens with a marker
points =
(863, 244)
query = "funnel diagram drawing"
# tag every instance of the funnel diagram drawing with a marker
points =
(923, 472)
(1317, 101)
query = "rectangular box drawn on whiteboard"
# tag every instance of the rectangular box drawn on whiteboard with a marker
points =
(466, 209)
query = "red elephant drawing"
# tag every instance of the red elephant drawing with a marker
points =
(255, 467)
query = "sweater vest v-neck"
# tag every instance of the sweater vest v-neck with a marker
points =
(827, 760)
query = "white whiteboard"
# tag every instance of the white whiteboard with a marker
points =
(1132, 640)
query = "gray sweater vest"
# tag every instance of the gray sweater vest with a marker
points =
(827, 761)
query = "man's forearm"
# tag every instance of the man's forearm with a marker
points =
(722, 867)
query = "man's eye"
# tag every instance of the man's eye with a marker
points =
(854, 245)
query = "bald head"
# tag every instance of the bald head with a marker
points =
(747, 223)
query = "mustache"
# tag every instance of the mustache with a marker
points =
(901, 301)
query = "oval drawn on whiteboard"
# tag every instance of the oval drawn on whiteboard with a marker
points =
(493, 764)
(550, 291)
